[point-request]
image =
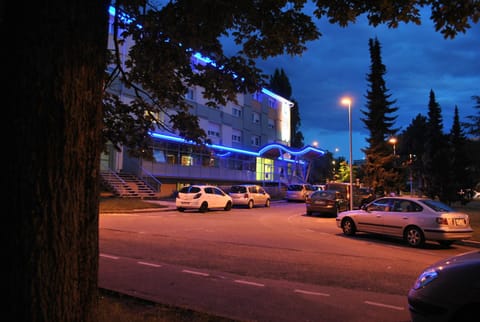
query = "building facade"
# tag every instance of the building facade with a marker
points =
(250, 143)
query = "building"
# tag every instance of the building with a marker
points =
(250, 144)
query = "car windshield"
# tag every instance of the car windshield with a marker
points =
(190, 190)
(238, 189)
(437, 205)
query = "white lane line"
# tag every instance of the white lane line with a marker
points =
(249, 283)
(109, 256)
(398, 308)
(195, 272)
(311, 293)
(149, 264)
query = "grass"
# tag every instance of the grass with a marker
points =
(123, 308)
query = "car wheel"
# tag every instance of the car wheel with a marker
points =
(204, 207)
(228, 206)
(414, 236)
(267, 203)
(348, 227)
(445, 243)
(181, 209)
(250, 204)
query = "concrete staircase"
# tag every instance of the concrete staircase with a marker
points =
(127, 185)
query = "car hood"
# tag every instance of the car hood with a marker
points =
(468, 258)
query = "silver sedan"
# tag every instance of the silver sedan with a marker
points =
(413, 219)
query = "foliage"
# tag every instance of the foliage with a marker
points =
(473, 127)
(380, 168)
(435, 160)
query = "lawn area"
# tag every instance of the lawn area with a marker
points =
(473, 210)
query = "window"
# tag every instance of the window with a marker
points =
(213, 133)
(271, 123)
(271, 102)
(236, 136)
(213, 130)
(236, 112)
(189, 94)
(255, 117)
(257, 96)
(255, 140)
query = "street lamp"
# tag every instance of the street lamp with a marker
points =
(348, 102)
(393, 141)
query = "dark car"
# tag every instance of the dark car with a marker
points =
(448, 290)
(326, 201)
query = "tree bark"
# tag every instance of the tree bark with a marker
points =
(54, 59)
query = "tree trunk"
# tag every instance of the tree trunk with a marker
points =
(54, 56)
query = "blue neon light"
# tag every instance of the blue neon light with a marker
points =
(241, 151)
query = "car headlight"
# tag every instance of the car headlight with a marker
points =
(425, 278)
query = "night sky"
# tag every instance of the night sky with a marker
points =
(417, 59)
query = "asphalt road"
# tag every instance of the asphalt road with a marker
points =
(261, 264)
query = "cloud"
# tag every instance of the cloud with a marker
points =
(417, 59)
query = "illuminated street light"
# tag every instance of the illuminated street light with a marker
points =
(393, 141)
(348, 102)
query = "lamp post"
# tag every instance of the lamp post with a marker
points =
(393, 141)
(347, 101)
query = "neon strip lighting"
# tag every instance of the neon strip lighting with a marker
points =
(292, 152)
(241, 151)
(277, 97)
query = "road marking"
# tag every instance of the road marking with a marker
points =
(109, 256)
(399, 308)
(195, 272)
(311, 293)
(249, 283)
(149, 264)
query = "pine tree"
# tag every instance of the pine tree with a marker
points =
(436, 158)
(412, 147)
(459, 159)
(280, 84)
(473, 126)
(379, 169)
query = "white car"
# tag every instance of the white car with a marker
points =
(249, 195)
(413, 219)
(203, 198)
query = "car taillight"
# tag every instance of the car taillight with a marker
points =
(198, 195)
(441, 221)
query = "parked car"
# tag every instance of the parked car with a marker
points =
(249, 195)
(298, 192)
(448, 290)
(326, 201)
(361, 195)
(203, 198)
(413, 219)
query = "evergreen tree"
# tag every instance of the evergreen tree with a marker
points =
(280, 84)
(436, 157)
(379, 168)
(459, 170)
(412, 147)
(473, 127)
